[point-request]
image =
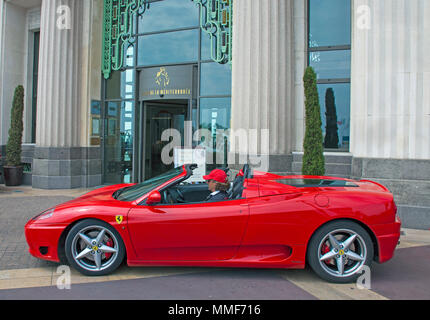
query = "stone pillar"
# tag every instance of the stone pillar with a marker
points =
(58, 93)
(61, 158)
(390, 101)
(12, 56)
(300, 64)
(263, 77)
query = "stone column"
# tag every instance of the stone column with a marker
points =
(12, 56)
(263, 77)
(61, 159)
(58, 94)
(300, 64)
(390, 101)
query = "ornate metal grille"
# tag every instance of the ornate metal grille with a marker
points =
(119, 18)
(216, 20)
(118, 28)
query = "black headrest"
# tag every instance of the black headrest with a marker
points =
(236, 192)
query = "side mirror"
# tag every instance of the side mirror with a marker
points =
(154, 197)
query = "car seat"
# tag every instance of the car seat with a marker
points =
(237, 188)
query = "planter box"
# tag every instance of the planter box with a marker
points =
(13, 176)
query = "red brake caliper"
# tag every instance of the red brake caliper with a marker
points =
(109, 243)
(326, 249)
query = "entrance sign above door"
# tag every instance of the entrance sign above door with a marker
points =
(118, 28)
(173, 82)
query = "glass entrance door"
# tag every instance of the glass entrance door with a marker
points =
(159, 117)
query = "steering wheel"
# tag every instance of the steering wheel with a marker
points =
(167, 196)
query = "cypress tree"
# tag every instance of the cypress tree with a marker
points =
(13, 147)
(331, 137)
(313, 158)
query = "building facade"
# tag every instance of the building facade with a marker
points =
(105, 78)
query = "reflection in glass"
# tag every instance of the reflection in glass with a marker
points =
(120, 85)
(119, 142)
(215, 113)
(171, 47)
(168, 15)
(331, 139)
(159, 119)
(215, 79)
(129, 56)
(215, 117)
(341, 99)
(329, 23)
(206, 47)
(331, 64)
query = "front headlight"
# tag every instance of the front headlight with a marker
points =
(45, 214)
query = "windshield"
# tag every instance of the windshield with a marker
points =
(138, 190)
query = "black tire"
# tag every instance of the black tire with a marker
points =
(108, 262)
(330, 269)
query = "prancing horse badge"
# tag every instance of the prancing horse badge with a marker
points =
(119, 219)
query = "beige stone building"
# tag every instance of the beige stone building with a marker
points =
(96, 106)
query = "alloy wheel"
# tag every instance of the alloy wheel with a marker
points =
(94, 248)
(342, 253)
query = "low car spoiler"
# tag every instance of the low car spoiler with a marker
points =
(376, 183)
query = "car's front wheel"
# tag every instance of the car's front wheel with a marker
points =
(339, 250)
(94, 248)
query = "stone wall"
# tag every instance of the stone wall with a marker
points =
(408, 180)
(67, 168)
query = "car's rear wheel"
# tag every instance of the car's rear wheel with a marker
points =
(94, 248)
(339, 250)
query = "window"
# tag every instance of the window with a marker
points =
(36, 41)
(215, 79)
(118, 133)
(120, 85)
(139, 190)
(329, 23)
(215, 117)
(168, 47)
(169, 15)
(329, 54)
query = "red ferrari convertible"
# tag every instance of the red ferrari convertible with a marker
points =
(334, 225)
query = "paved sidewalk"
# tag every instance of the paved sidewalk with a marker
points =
(17, 206)
(406, 276)
(28, 191)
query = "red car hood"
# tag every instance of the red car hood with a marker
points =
(98, 195)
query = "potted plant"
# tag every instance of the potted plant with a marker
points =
(13, 170)
(313, 157)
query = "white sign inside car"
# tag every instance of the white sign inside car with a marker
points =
(187, 156)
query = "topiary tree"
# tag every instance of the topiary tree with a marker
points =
(13, 147)
(313, 158)
(331, 139)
